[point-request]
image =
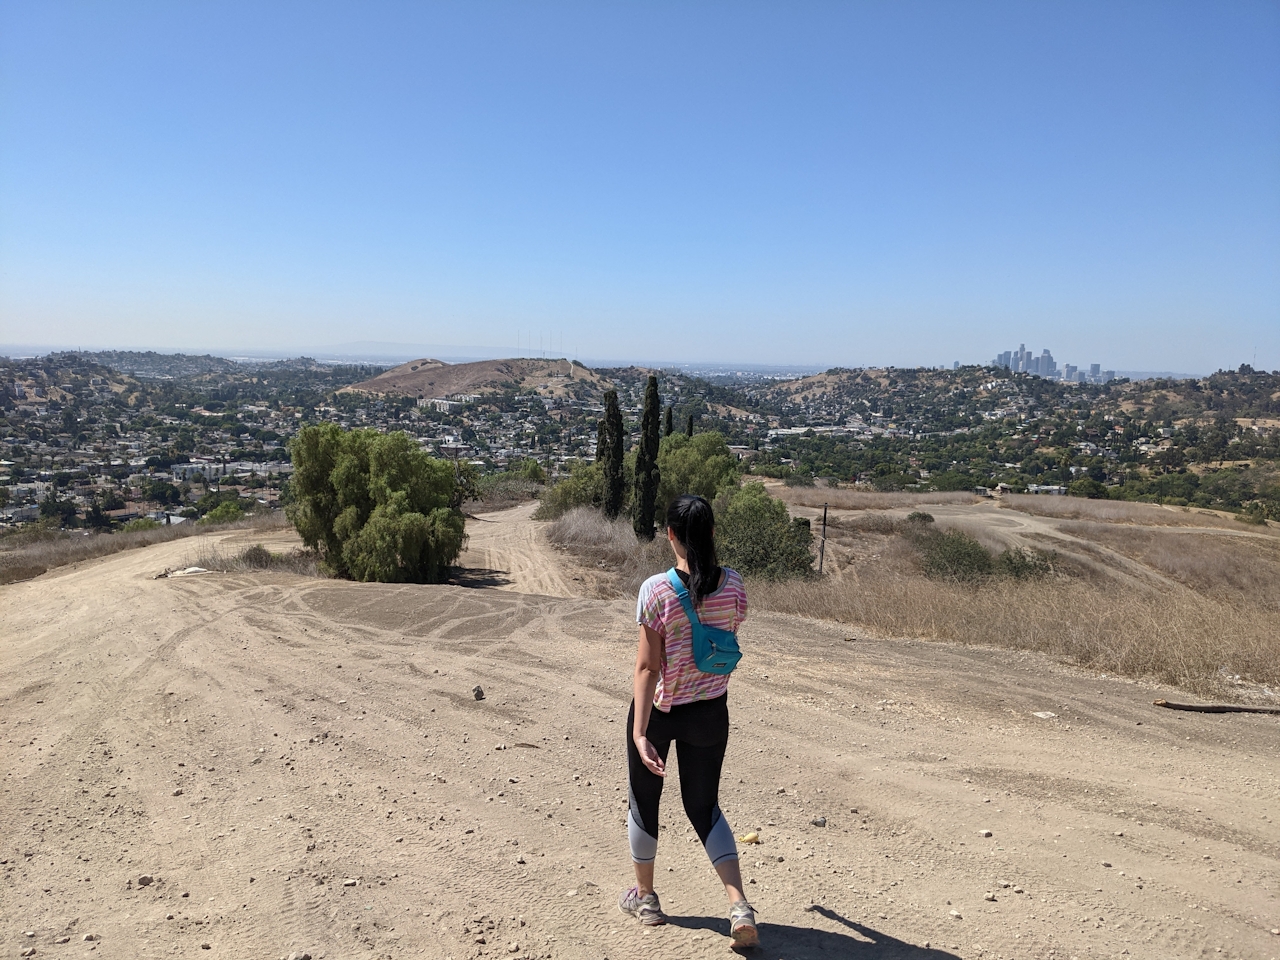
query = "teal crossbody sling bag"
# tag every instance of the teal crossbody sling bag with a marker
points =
(714, 650)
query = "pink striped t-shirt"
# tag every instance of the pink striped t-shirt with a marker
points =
(659, 608)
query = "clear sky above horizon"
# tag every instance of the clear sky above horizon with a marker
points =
(827, 183)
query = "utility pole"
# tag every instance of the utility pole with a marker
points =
(822, 545)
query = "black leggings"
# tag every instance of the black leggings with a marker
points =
(701, 733)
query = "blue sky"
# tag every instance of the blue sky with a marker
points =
(844, 183)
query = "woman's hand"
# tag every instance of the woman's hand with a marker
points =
(649, 756)
(648, 669)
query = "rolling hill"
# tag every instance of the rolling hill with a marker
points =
(434, 378)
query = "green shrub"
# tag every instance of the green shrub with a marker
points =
(584, 487)
(375, 506)
(1020, 564)
(227, 512)
(756, 536)
(141, 523)
(919, 517)
(799, 480)
(527, 470)
(256, 556)
(951, 480)
(953, 555)
(1088, 487)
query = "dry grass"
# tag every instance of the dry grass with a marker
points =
(865, 499)
(1114, 511)
(611, 547)
(1239, 569)
(31, 551)
(210, 556)
(1182, 638)
(502, 490)
(1218, 621)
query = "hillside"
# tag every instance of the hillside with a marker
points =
(160, 365)
(435, 378)
(237, 765)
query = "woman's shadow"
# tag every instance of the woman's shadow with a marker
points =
(781, 940)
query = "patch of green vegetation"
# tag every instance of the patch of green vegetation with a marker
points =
(374, 506)
(756, 536)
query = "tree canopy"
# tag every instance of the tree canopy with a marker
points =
(757, 536)
(375, 506)
(701, 464)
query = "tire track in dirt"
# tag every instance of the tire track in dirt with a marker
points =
(348, 709)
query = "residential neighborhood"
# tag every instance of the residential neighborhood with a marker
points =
(167, 439)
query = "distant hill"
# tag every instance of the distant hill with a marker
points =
(435, 378)
(156, 365)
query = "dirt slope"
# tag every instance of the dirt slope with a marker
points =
(300, 765)
(434, 378)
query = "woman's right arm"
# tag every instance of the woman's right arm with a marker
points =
(644, 685)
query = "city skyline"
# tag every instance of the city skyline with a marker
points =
(387, 355)
(1023, 360)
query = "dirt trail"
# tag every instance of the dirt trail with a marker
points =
(506, 550)
(300, 765)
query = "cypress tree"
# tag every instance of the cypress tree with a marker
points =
(614, 482)
(602, 436)
(667, 427)
(688, 427)
(646, 488)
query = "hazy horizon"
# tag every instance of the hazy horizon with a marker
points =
(813, 184)
(392, 354)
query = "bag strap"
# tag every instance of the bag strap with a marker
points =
(682, 594)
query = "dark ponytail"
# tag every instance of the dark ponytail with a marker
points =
(690, 518)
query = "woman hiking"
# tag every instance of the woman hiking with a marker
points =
(675, 700)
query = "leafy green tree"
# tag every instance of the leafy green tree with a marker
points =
(611, 465)
(647, 471)
(528, 470)
(111, 500)
(688, 426)
(228, 511)
(97, 518)
(375, 506)
(703, 465)
(61, 512)
(1087, 487)
(756, 536)
(162, 492)
(667, 427)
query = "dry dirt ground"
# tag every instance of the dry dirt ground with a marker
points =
(254, 765)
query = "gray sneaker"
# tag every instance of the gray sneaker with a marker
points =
(742, 925)
(646, 909)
